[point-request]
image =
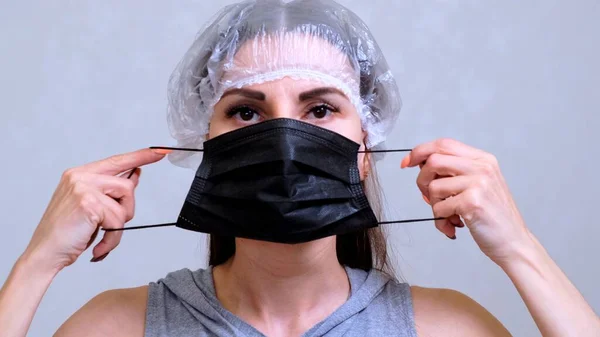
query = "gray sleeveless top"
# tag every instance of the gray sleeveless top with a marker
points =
(184, 304)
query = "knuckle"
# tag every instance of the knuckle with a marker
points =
(487, 167)
(130, 214)
(88, 205)
(438, 209)
(493, 160)
(434, 160)
(70, 176)
(483, 182)
(422, 185)
(87, 201)
(446, 143)
(433, 188)
(474, 200)
(123, 215)
(78, 189)
(489, 164)
(117, 160)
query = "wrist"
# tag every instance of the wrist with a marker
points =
(35, 264)
(528, 253)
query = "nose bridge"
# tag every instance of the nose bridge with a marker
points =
(283, 102)
(283, 107)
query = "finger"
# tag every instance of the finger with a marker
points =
(133, 175)
(93, 238)
(115, 187)
(448, 208)
(444, 225)
(456, 221)
(442, 165)
(446, 228)
(114, 217)
(124, 162)
(120, 189)
(442, 188)
(442, 146)
(128, 200)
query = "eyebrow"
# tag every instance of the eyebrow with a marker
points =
(254, 94)
(305, 96)
(315, 93)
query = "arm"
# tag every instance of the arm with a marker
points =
(557, 307)
(21, 295)
(464, 185)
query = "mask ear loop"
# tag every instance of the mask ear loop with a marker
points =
(201, 150)
(137, 227)
(407, 220)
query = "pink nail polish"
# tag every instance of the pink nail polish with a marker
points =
(162, 151)
(405, 162)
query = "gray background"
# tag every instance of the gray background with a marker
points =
(87, 79)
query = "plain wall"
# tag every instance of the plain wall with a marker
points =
(82, 80)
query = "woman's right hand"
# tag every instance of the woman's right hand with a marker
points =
(88, 197)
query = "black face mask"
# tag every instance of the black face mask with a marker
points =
(282, 181)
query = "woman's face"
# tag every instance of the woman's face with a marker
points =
(304, 100)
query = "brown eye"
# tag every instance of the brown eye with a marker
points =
(246, 114)
(243, 113)
(321, 111)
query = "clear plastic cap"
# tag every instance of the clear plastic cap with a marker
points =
(316, 40)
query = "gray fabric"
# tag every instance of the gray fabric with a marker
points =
(184, 304)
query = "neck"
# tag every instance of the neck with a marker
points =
(274, 284)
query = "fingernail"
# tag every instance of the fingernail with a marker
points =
(426, 199)
(405, 162)
(99, 258)
(162, 151)
(453, 237)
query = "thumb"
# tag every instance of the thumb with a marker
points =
(134, 175)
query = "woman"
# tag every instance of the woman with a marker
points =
(315, 62)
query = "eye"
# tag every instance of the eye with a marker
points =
(322, 111)
(243, 113)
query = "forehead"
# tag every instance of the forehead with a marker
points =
(290, 51)
(292, 55)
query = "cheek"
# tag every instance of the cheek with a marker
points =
(213, 130)
(351, 128)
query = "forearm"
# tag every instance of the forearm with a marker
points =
(555, 304)
(21, 295)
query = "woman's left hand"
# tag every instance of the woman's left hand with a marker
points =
(460, 181)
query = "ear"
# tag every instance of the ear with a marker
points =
(366, 162)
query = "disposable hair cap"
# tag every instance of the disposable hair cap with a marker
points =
(257, 41)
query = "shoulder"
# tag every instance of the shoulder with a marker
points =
(445, 312)
(119, 312)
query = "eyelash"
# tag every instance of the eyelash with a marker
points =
(236, 109)
(230, 113)
(329, 106)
